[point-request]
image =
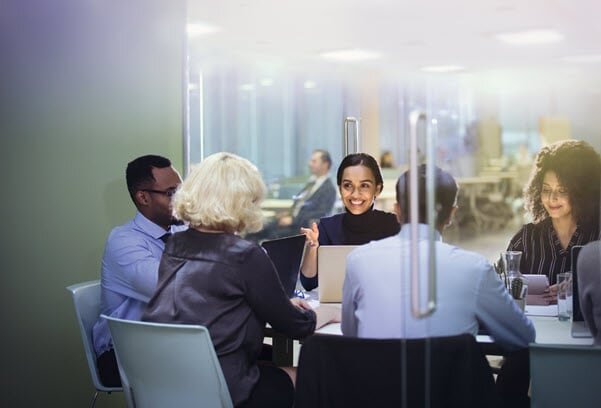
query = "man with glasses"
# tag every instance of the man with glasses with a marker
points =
(129, 270)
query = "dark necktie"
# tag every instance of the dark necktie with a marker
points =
(301, 197)
(307, 189)
(165, 237)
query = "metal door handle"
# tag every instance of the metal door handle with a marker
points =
(346, 137)
(414, 118)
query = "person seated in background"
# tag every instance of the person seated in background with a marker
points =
(317, 197)
(315, 200)
(377, 288)
(359, 181)
(589, 287)
(212, 277)
(130, 263)
(562, 198)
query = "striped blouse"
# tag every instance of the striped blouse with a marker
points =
(542, 252)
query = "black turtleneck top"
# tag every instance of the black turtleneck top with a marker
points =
(348, 229)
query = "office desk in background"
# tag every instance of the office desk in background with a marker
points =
(271, 206)
(277, 204)
(483, 197)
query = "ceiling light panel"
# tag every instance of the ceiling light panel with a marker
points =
(530, 37)
(352, 55)
(201, 29)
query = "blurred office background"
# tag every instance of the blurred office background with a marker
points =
(88, 85)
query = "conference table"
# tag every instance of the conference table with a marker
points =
(549, 330)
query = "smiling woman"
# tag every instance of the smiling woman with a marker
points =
(359, 181)
(562, 198)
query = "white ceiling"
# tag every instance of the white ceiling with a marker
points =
(408, 34)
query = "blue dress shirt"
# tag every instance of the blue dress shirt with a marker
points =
(129, 273)
(377, 294)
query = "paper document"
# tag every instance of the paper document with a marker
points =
(533, 310)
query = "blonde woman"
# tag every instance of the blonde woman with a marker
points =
(210, 276)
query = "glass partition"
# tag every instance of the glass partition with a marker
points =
(488, 124)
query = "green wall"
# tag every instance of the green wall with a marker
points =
(85, 86)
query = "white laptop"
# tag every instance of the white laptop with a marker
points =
(331, 269)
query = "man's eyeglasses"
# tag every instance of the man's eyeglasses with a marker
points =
(169, 193)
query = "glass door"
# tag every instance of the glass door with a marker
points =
(274, 83)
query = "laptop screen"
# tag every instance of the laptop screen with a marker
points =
(577, 313)
(286, 255)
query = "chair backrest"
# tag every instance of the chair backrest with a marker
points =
(86, 298)
(168, 365)
(565, 376)
(338, 371)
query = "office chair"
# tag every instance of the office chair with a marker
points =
(565, 376)
(168, 365)
(337, 371)
(86, 298)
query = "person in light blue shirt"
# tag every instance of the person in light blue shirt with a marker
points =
(377, 288)
(129, 270)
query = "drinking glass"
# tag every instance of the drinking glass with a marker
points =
(564, 295)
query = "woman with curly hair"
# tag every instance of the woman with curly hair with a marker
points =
(562, 197)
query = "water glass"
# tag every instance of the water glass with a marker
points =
(564, 295)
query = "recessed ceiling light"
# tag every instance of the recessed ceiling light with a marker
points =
(442, 68)
(309, 84)
(350, 55)
(247, 87)
(201, 29)
(528, 37)
(583, 59)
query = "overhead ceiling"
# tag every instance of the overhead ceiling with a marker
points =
(407, 34)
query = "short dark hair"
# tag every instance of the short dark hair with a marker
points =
(325, 156)
(139, 172)
(578, 168)
(445, 195)
(363, 159)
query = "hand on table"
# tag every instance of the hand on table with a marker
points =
(550, 294)
(285, 221)
(327, 314)
(302, 304)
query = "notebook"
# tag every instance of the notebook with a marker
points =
(287, 256)
(537, 285)
(331, 267)
(579, 326)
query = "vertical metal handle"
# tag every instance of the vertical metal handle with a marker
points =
(346, 137)
(414, 118)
